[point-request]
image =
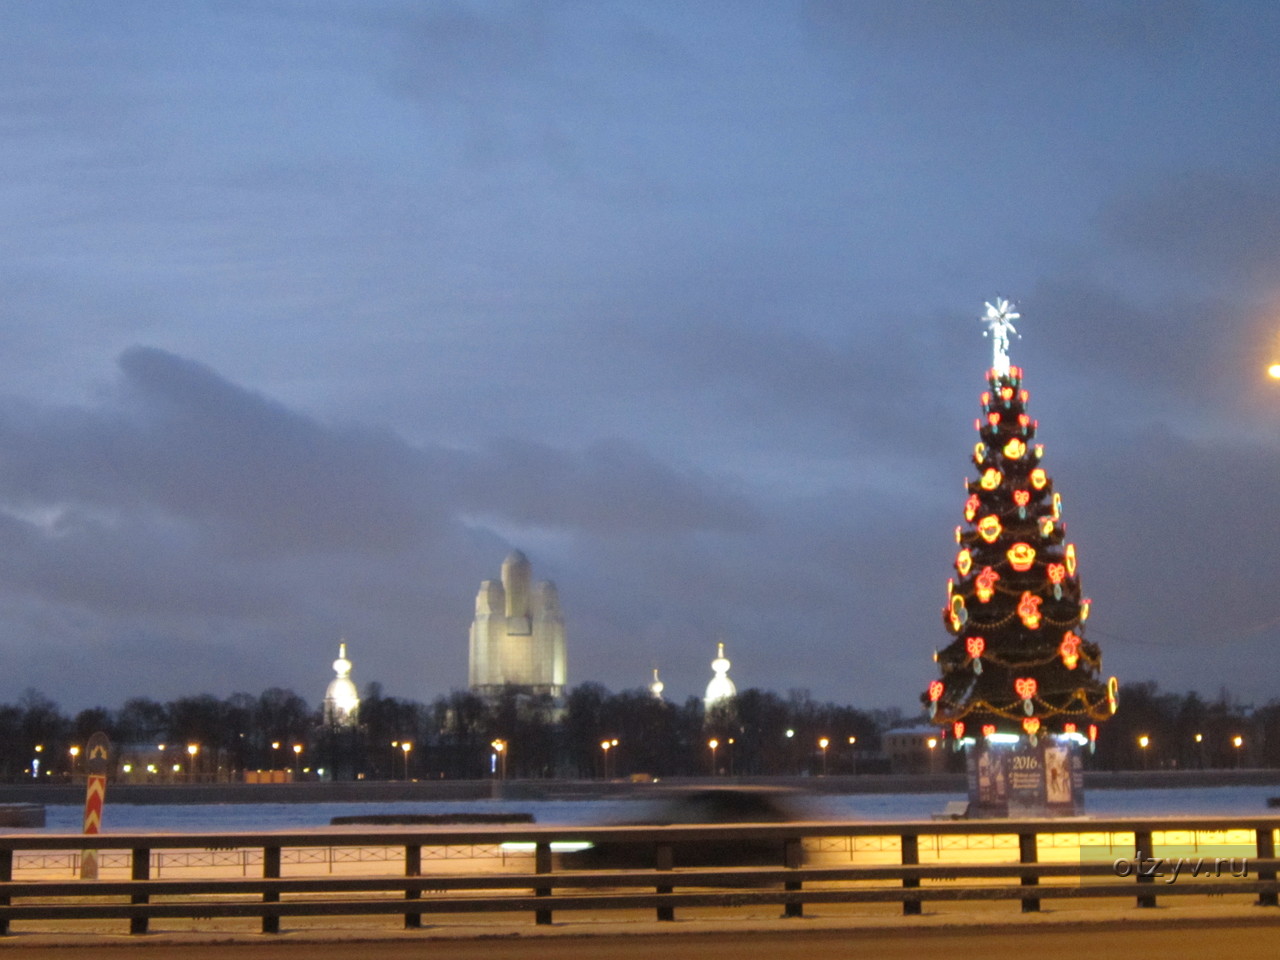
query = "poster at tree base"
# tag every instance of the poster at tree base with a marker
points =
(98, 760)
(1026, 779)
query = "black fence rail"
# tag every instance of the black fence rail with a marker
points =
(662, 874)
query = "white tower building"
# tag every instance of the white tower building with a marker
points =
(341, 701)
(721, 688)
(517, 637)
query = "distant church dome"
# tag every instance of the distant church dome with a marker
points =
(657, 686)
(341, 700)
(720, 688)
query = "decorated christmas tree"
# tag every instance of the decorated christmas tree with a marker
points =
(1019, 667)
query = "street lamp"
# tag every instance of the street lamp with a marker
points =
(500, 751)
(406, 746)
(731, 756)
(297, 759)
(824, 743)
(713, 743)
(1143, 742)
(75, 752)
(192, 750)
(604, 747)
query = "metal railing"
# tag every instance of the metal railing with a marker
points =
(345, 873)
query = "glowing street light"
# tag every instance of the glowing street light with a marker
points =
(406, 746)
(297, 759)
(824, 743)
(1143, 742)
(75, 752)
(605, 747)
(500, 751)
(713, 744)
(192, 750)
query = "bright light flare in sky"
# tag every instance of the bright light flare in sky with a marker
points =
(1274, 371)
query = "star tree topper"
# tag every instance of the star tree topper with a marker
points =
(999, 321)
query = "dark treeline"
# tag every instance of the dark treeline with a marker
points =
(451, 737)
(1185, 731)
(761, 733)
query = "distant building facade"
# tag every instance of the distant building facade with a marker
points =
(517, 637)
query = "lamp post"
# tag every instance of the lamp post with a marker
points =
(730, 752)
(1143, 742)
(192, 750)
(75, 752)
(406, 746)
(713, 744)
(823, 743)
(297, 760)
(1237, 741)
(853, 755)
(500, 751)
(791, 763)
(604, 762)
(1199, 739)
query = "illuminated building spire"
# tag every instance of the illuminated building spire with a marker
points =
(721, 688)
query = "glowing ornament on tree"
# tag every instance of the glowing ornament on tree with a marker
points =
(989, 528)
(1084, 609)
(1032, 726)
(1014, 449)
(935, 694)
(971, 507)
(974, 647)
(993, 419)
(1025, 687)
(1057, 506)
(979, 453)
(1029, 610)
(964, 562)
(1006, 394)
(1070, 556)
(1039, 478)
(1022, 497)
(1022, 556)
(1069, 650)
(1113, 694)
(990, 479)
(1068, 728)
(957, 729)
(959, 615)
(985, 583)
(1057, 572)
(988, 729)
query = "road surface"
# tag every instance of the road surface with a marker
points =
(1240, 940)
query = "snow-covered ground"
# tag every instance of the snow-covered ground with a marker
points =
(1198, 801)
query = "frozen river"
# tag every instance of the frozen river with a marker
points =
(124, 818)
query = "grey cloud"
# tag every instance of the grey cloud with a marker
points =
(1222, 225)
